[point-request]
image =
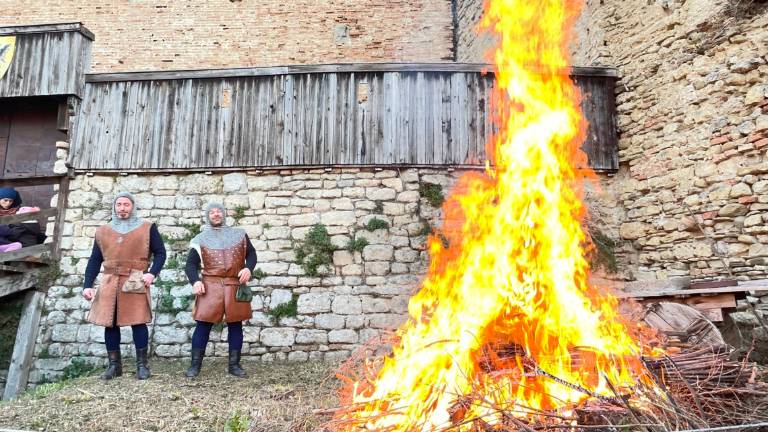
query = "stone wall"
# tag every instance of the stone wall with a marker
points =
(363, 292)
(194, 34)
(692, 191)
(472, 45)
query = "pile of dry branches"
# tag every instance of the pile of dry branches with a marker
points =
(695, 389)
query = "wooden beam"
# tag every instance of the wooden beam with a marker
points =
(229, 169)
(47, 28)
(29, 181)
(20, 282)
(61, 203)
(13, 268)
(18, 372)
(319, 69)
(710, 306)
(690, 292)
(30, 251)
(757, 283)
(36, 216)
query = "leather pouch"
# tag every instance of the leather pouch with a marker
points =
(134, 284)
(244, 294)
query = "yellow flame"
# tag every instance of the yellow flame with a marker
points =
(505, 313)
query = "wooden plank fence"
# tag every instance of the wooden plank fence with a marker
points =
(326, 115)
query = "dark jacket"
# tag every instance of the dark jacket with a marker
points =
(28, 234)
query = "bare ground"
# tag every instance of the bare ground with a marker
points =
(274, 397)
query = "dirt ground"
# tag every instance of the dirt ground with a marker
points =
(274, 397)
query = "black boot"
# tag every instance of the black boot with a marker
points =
(142, 366)
(234, 364)
(115, 367)
(197, 362)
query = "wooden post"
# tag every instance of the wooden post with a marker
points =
(18, 373)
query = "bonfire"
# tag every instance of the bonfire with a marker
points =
(506, 333)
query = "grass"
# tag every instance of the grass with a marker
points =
(274, 397)
(238, 422)
(77, 368)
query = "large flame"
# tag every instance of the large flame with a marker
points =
(505, 320)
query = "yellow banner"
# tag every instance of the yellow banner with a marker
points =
(7, 48)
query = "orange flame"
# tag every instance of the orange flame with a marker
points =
(505, 312)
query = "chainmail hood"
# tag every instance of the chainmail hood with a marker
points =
(124, 226)
(222, 237)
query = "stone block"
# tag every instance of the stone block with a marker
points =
(346, 305)
(309, 336)
(380, 194)
(279, 296)
(342, 336)
(375, 304)
(377, 268)
(304, 219)
(733, 209)
(386, 321)
(170, 334)
(234, 182)
(342, 204)
(198, 184)
(314, 303)
(342, 258)
(278, 337)
(329, 321)
(378, 252)
(343, 218)
(64, 333)
(264, 183)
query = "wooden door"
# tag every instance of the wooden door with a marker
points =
(28, 135)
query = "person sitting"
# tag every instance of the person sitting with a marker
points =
(16, 236)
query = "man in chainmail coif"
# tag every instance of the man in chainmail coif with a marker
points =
(124, 246)
(227, 258)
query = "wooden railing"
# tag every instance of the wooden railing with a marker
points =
(29, 267)
(31, 270)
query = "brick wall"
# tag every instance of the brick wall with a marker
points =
(192, 34)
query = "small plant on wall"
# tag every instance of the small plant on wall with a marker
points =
(603, 256)
(433, 193)
(357, 245)
(288, 309)
(376, 223)
(315, 251)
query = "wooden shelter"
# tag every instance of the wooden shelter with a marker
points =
(40, 89)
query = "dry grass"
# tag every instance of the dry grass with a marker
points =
(274, 397)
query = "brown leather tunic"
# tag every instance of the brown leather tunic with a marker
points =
(122, 253)
(220, 269)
